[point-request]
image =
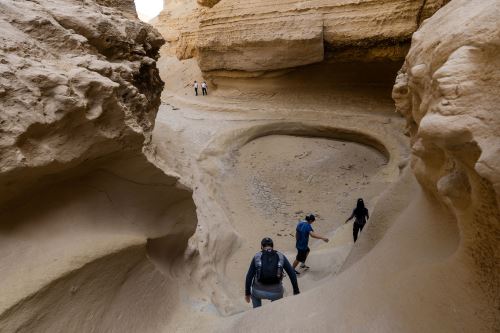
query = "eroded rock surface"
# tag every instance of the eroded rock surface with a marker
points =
(87, 224)
(78, 80)
(449, 93)
(260, 35)
(433, 266)
(95, 238)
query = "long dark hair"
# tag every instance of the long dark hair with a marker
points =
(360, 207)
(360, 204)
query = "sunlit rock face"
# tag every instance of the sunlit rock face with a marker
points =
(449, 93)
(260, 36)
(79, 92)
(78, 80)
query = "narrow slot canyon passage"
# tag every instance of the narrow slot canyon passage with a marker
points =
(261, 153)
(142, 163)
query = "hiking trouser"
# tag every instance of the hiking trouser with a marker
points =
(196, 91)
(204, 91)
(356, 228)
(258, 295)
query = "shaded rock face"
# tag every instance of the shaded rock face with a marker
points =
(208, 3)
(85, 217)
(126, 8)
(77, 80)
(449, 93)
(261, 36)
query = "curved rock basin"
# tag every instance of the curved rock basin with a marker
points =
(278, 179)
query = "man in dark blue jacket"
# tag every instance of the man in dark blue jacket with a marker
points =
(265, 275)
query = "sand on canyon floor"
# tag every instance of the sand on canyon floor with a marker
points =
(276, 180)
(261, 153)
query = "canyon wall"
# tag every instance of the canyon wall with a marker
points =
(432, 263)
(413, 269)
(257, 35)
(449, 93)
(85, 218)
(94, 237)
(78, 82)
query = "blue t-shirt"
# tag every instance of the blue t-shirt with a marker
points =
(303, 230)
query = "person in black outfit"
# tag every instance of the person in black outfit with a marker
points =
(361, 215)
(258, 284)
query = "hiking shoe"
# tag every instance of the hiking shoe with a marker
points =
(298, 273)
(304, 266)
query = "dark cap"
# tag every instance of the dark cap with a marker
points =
(267, 242)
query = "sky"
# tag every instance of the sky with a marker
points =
(147, 9)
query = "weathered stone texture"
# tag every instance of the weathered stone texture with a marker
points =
(260, 35)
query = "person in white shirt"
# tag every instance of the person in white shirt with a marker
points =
(195, 85)
(204, 88)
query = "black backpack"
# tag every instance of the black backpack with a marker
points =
(269, 266)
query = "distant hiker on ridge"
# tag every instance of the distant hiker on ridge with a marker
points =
(302, 232)
(361, 214)
(265, 275)
(195, 85)
(204, 88)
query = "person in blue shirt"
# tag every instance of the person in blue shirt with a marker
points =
(302, 233)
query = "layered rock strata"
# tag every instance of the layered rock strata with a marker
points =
(262, 36)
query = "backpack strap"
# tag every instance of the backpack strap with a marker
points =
(281, 263)
(257, 259)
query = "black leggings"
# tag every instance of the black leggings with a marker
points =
(357, 227)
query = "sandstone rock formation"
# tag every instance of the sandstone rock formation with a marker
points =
(208, 3)
(258, 35)
(94, 237)
(88, 88)
(79, 92)
(449, 93)
(436, 266)
(426, 261)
